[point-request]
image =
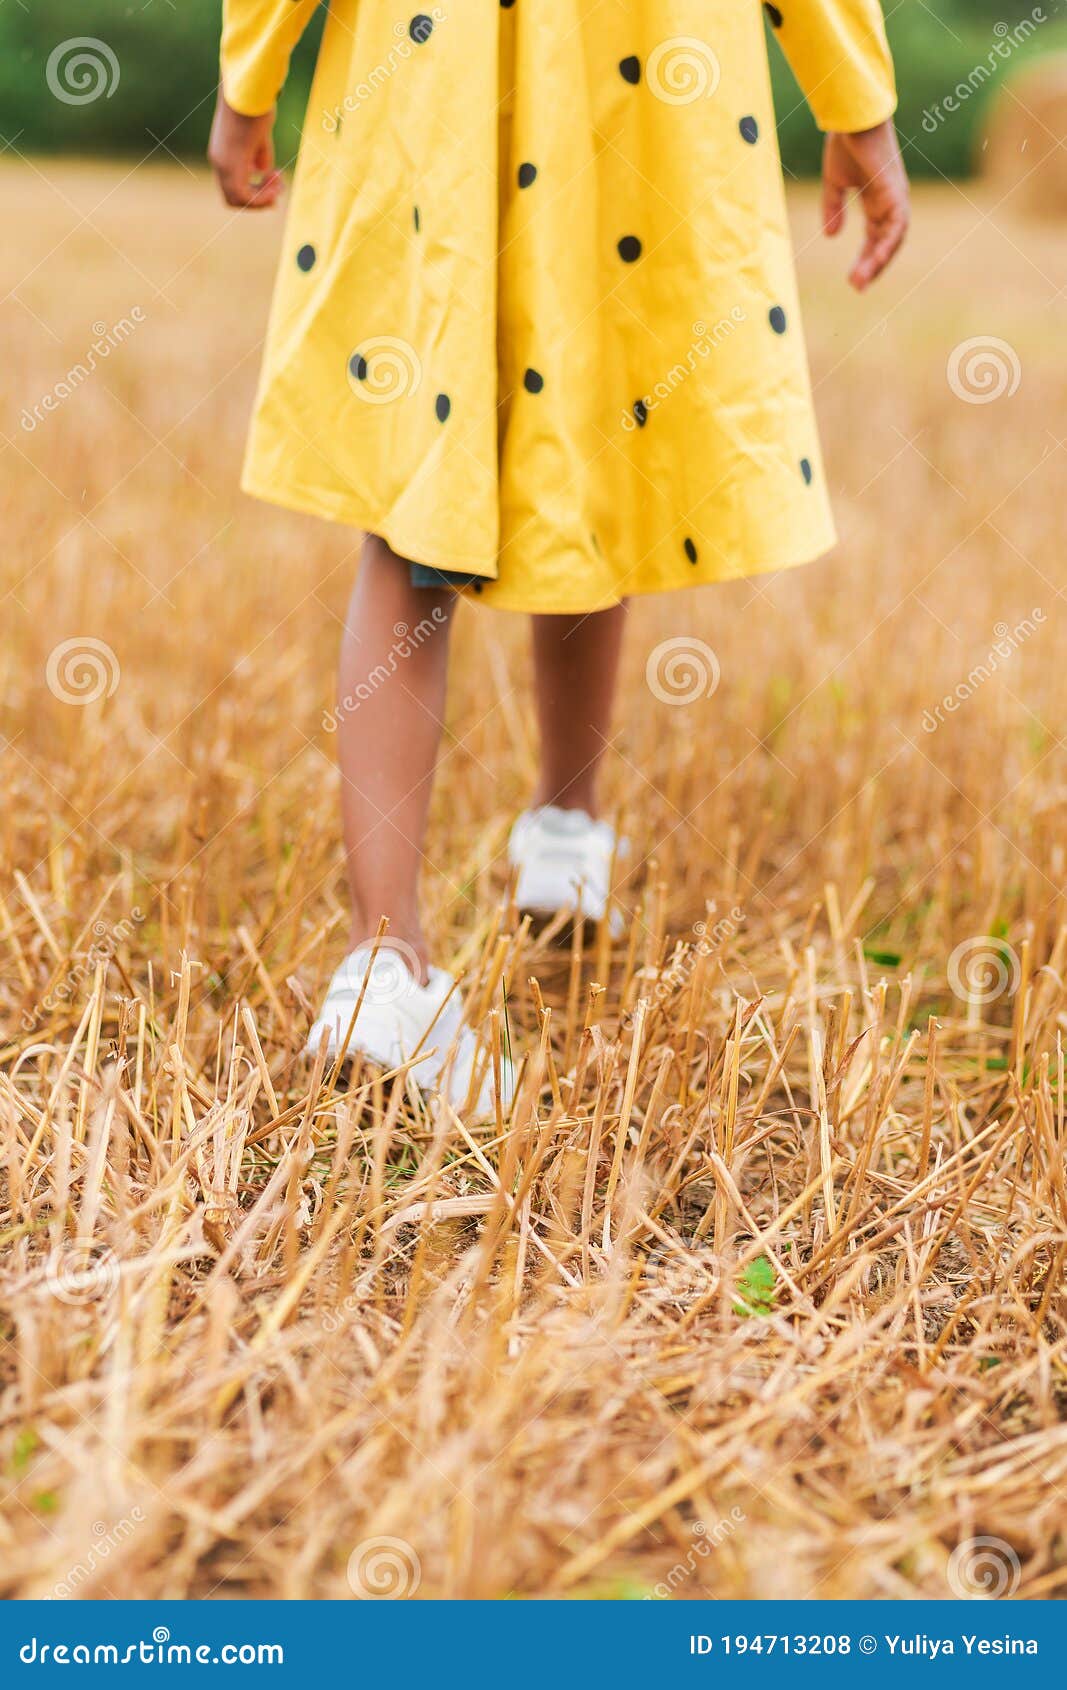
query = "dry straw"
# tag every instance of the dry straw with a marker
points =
(768, 1255)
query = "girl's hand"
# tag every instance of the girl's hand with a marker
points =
(869, 164)
(241, 153)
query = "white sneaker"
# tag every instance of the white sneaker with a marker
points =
(564, 863)
(399, 1017)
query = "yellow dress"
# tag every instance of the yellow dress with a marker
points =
(536, 317)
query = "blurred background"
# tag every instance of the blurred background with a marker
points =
(168, 55)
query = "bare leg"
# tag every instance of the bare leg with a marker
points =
(393, 672)
(576, 663)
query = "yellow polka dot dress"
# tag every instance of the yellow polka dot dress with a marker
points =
(536, 319)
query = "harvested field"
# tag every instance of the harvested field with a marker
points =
(760, 1290)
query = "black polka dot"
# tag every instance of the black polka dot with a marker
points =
(357, 366)
(305, 258)
(749, 130)
(442, 405)
(629, 249)
(420, 28)
(507, 4)
(630, 68)
(774, 15)
(806, 470)
(416, 218)
(533, 381)
(527, 175)
(690, 550)
(776, 318)
(640, 412)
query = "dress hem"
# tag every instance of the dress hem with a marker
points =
(349, 515)
(503, 598)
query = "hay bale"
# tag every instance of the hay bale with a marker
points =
(1022, 152)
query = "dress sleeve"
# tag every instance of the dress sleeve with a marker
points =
(258, 37)
(840, 56)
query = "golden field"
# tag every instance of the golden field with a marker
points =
(760, 1290)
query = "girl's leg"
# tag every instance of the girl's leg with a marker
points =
(576, 663)
(393, 672)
